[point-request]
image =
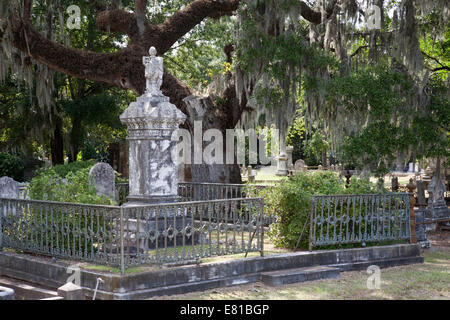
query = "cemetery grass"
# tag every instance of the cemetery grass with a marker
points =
(430, 280)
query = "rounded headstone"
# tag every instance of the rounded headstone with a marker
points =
(102, 176)
(299, 165)
(9, 188)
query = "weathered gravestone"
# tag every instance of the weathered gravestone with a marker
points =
(102, 176)
(394, 184)
(421, 200)
(299, 165)
(420, 228)
(282, 165)
(289, 151)
(152, 122)
(436, 200)
(9, 188)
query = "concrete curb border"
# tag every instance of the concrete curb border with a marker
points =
(6, 294)
(176, 280)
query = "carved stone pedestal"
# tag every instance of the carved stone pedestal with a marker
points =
(282, 165)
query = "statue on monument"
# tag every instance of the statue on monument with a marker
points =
(154, 71)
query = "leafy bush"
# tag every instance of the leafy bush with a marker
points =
(70, 183)
(290, 202)
(67, 183)
(64, 169)
(12, 167)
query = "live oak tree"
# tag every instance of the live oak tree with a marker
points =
(285, 52)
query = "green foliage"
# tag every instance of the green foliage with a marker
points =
(296, 136)
(290, 202)
(11, 166)
(70, 183)
(315, 147)
(63, 170)
(67, 183)
(383, 93)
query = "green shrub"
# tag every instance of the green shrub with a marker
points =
(12, 167)
(290, 202)
(63, 170)
(67, 183)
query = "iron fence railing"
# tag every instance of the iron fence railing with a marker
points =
(341, 219)
(129, 236)
(193, 191)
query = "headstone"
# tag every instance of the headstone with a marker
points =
(282, 168)
(151, 121)
(251, 174)
(9, 188)
(299, 165)
(421, 200)
(102, 176)
(436, 200)
(394, 184)
(289, 151)
(421, 229)
(319, 167)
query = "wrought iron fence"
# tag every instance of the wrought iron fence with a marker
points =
(192, 230)
(341, 219)
(62, 230)
(130, 236)
(193, 191)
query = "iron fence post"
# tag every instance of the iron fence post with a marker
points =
(412, 219)
(311, 225)
(121, 235)
(262, 227)
(1, 226)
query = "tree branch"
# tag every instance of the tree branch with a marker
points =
(141, 8)
(117, 21)
(184, 20)
(442, 66)
(358, 50)
(117, 68)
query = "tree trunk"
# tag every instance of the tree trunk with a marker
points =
(56, 145)
(76, 138)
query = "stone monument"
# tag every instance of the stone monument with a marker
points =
(421, 200)
(103, 177)
(436, 200)
(153, 173)
(9, 188)
(289, 151)
(151, 120)
(282, 165)
(300, 165)
(394, 184)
